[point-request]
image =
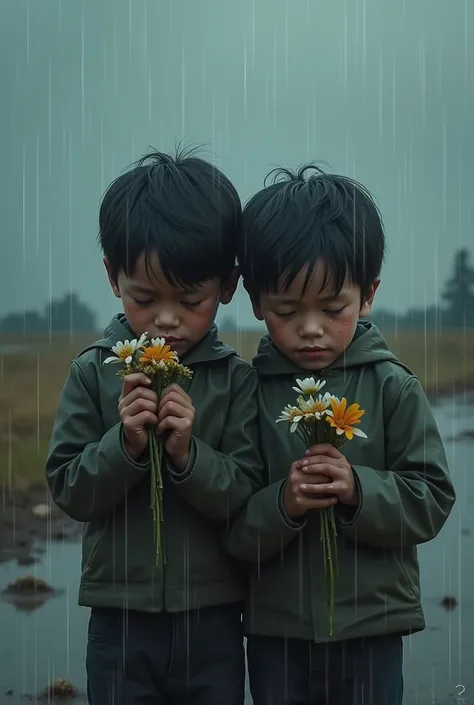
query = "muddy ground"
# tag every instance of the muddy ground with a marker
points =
(28, 520)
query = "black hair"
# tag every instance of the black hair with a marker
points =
(180, 207)
(306, 216)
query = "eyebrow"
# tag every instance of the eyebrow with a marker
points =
(140, 289)
(292, 301)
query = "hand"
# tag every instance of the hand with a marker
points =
(137, 407)
(296, 502)
(327, 460)
(176, 414)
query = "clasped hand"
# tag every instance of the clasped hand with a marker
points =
(319, 480)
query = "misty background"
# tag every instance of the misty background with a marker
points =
(382, 91)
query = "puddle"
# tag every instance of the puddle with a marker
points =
(47, 642)
(42, 644)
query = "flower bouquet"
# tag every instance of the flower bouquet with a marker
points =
(161, 365)
(317, 419)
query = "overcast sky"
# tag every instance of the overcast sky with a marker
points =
(382, 91)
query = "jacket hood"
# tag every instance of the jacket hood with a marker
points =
(368, 346)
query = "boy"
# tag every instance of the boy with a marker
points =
(310, 255)
(174, 633)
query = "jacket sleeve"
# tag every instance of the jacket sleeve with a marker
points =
(408, 503)
(88, 470)
(219, 482)
(263, 528)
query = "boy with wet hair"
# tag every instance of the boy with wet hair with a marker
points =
(170, 633)
(311, 252)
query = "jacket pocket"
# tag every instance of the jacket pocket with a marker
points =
(410, 570)
(91, 542)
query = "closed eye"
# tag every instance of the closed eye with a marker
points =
(140, 302)
(191, 304)
(335, 311)
(286, 314)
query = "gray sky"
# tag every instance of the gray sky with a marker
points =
(383, 91)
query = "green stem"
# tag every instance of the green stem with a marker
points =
(328, 538)
(156, 456)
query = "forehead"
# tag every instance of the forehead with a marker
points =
(313, 284)
(148, 277)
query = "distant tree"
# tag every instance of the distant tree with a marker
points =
(70, 314)
(22, 323)
(459, 293)
(65, 314)
(413, 319)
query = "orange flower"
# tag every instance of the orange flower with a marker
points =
(344, 419)
(158, 352)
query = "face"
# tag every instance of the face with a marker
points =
(181, 316)
(313, 328)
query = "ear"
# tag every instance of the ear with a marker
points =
(229, 286)
(257, 311)
(368, 301)
(112, 281)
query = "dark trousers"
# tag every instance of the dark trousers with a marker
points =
(137, 658)
(298, 672)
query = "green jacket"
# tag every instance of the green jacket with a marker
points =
(405, 492)
(93, 480)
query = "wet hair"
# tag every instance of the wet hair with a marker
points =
(308, 216)
(181, 208)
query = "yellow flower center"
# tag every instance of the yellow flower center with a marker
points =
(125, 351)
(317, 407)
(157, 353)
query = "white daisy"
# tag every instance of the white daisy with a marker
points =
(292, 415)
(309, 386)
(124, 351)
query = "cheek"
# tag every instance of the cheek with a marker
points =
(278, 328)
(343, 327)
(137, 316)
(201, 316)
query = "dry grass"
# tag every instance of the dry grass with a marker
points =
(31, 382)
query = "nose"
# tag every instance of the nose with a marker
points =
(166, 319)
(311, 327)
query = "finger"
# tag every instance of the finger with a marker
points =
(320, 469)
(178, 390)
(134, 424)
(316, 460)
(137, 406)
(172, 423)
(137, 393)
(308, 503)
(172, 408)
(136, 379)
(324, 449)
(316, 478)
(323, 488)
(178, 398)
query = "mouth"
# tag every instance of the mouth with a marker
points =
(172, 341)
(315, 351)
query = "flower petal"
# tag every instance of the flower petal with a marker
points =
(112, 360)
(358, 432)
(142, 340)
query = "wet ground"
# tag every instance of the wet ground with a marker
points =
(43, 640)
